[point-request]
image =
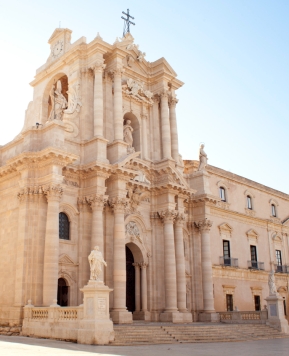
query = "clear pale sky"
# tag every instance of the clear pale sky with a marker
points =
(233, 56)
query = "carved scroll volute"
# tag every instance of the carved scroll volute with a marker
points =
(204, 225)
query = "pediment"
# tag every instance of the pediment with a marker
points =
(252, 234)
(64, 259)
(225, 227)
(59, 32)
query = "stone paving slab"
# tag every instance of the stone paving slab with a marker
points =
(23, 346)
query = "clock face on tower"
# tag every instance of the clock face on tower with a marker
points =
(57, 49)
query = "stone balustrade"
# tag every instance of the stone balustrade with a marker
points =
(244, 317)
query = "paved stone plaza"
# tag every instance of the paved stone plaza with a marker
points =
(17, 345)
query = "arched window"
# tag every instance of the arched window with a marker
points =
(222, 194)
(249, 202)
(273, 210)
(63, 226)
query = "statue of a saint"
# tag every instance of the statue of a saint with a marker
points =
(271, 283)
(203, 158)
(127, 134)
(58, 101)
(96, 261)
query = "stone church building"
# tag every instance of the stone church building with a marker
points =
(97, 163)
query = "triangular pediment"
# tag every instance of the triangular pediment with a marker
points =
(66, 260)
(252, 234)
(225, 227)
(59, 32)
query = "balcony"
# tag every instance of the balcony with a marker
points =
(256, 265)
(281, 269)
(228, 261)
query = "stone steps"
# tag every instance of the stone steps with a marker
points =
(191, 333)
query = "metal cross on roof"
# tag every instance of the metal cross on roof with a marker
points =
(127, 22)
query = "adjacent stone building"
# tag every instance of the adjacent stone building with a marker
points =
(97, 163)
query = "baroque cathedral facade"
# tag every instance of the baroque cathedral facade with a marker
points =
(97, 163)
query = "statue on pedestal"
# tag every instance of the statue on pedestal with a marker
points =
(127, 136)
(58, 101)
(271, 283)
(203, 158)
(96, 261)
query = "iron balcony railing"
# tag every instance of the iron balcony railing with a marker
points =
(281, 269)
(228, 261)
(255, 265)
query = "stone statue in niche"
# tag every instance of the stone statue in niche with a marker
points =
(74, 102)
(127, 136)
(203, 158)
(58, 101)
(271, 283)
(96, 261)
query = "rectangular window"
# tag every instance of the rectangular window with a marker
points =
(257, 302)
(249, 202)
(226, 253)
(222, 194)
(253, 250)
(273, 210)
(279, 261)
(284, 304)
(229, 302)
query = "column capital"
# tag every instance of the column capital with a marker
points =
(118, 71)
(204, 225)
(143, 265)
(173, 102)
(168, 215)
(164, 95)
(29, 192)
(96, 201)
(98, 66)
(136, 264)
(180, 219)
(53, 192)
(118, 204)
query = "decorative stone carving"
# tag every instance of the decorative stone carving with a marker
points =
(203, 158)
(168, 215)
(127, 136)
(118, 204)
(271, 283)
(141, 56)
(141, 178)
(96, 261)
(53, 191)
(135, 90)
(74, 100)
(136, 196)
(98, 66)
(204, 225)
(180, 219)
(58, 102)
(143, 265)
(132, 231)
(96, 201)
(29, 191)
(130, 61)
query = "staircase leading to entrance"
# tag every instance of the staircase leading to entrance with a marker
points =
(157, 333)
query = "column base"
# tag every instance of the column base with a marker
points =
(187, 317)
(142, 315)
(209, 317)
(116, 150)
(121, 317)
(171, 317)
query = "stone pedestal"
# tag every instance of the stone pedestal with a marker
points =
(116, 150)
(142, 315)
(276, 317)
(96, 326)
(209, 317)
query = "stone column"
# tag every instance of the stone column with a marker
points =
(144, 293)
(117, 105)
(180, 263)
(97, 203)
(168, 217)
(51, 249)
(98, 68)
(165, 125)
(119, 313)
(204, 227)
(137, 286)
(174, 129)
(144, 137)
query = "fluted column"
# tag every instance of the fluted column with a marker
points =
(180, 263)
(207, 274)
(165, 125)
(117, 104)
(98, 68)
(174, 129)
(144, 137)
(137, 286)
(168, 217)
(144, 292)
(51, 249)
(97, 203)
(120, 313)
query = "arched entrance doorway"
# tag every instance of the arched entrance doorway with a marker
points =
(62, 293)
(130, 280)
